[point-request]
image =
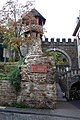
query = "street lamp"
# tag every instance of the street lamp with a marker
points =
(54, 56)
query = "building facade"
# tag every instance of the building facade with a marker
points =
(76, 33)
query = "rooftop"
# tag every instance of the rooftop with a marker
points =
(35, 13)
(77, 28)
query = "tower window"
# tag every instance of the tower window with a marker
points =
(40, 21)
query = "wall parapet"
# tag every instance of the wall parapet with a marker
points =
(59, 41)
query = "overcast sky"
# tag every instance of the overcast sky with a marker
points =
(60, 16)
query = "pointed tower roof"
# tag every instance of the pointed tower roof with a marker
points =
(35, 14)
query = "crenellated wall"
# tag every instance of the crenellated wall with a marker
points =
(66, 46)
(59, 41)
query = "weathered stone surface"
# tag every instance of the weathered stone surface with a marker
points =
(38, 86)
(7, 93)
(38, 89)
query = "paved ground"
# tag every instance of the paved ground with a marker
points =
(64, 111)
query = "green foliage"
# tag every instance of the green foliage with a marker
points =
(58, 57)
(12, 73)
(12, 59)
(11, 23)
(3, 76)
(21, 61)
(19, 105)
(15, 78)
(15, 104)
(2, 72)
(5, 70)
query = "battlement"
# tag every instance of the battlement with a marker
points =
(59, 41)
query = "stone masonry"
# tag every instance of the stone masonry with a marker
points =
(38, 86)
(68, 47)
(7, 93)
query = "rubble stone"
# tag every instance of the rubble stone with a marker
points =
(38, 89)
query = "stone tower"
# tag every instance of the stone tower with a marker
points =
(38, 86)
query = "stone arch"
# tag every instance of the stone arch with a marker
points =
(74, 79)
(63, 52)
(74, 92)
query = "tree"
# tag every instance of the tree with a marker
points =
(59, 58)
(11, 22)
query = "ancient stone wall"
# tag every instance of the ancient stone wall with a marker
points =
(7, 93)
(38, 89)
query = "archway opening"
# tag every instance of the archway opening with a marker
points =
(75, 91)
(60, 58)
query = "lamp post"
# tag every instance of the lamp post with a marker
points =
(54, 56)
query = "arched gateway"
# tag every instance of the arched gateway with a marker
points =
(65, 78)
(63, 52)
(75, 91)
(67, 47)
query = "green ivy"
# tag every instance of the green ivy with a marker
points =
(15, 78)
(12, 73)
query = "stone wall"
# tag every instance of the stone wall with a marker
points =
(38, 89)
(7, 93)
(68, 46)
(38, 84)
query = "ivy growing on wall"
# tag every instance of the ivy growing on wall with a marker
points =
(15, 76)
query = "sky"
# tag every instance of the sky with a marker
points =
(61, 16)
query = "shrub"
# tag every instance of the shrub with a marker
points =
(15, 78)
